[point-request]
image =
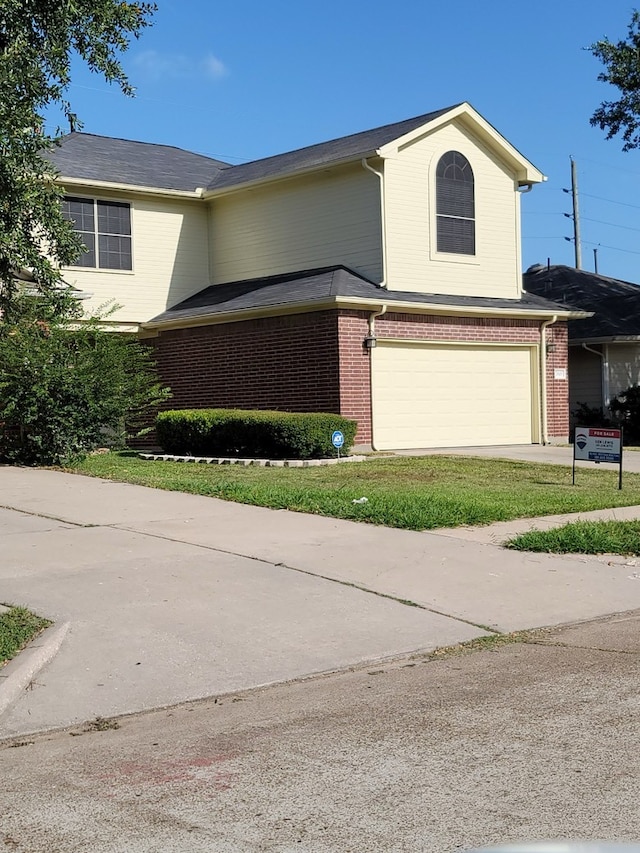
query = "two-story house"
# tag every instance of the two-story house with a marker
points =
(377, 275)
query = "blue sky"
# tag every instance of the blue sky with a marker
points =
(248, 79)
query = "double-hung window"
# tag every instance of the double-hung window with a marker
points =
(105, 229)
(455, 205)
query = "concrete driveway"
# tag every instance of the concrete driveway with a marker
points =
(550, 453)
(171, 597)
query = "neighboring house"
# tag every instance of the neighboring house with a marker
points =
(377, 275)
(604, 349)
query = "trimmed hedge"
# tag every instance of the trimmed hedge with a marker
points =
(251, 434)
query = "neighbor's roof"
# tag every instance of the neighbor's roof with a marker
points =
(615, 304)
(324, 286)
(122, 161)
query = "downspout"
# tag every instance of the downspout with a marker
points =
(383, 221)
(604, 394)
(543, 377)
(370, 344)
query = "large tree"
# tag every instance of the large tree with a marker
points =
(38, 40)
(622, 69)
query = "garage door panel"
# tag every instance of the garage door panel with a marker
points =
(447, 395)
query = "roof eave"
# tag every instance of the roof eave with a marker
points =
(605, 339)
(214, 192)
(113, 186)
(357, 303)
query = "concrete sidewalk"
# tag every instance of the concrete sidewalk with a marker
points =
(173, 597)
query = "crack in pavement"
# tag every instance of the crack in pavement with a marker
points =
(117, 526)
(405, 601)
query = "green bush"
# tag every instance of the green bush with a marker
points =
(251, 434)
(69, 386)
(625, 409)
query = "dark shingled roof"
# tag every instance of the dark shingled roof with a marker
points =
(320, 285)
(143, 164)
(344, 148)
(615, 303)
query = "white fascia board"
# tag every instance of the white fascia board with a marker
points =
(89, 185)
(526, 172)
(611, 339)
(215, 192)
(356, 304)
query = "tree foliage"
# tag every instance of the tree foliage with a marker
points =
(622, 69)
(68, 386)
(38, 40)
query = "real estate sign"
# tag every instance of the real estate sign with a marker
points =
(598, 444)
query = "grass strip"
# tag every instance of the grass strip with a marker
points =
(583, 537)
(17, 627)
(415, 493)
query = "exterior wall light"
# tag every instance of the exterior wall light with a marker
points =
(370, 342)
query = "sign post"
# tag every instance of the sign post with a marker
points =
(598, 444)
(337, 439)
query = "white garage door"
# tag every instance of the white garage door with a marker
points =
(441, 395)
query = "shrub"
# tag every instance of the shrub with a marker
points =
(588, 416)
(254, 434)
(625, 409)
(65, 390)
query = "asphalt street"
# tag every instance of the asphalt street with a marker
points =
(530, 741)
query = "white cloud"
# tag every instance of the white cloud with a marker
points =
(172, 66)
(214, 67)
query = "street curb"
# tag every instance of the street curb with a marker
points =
(16, 676)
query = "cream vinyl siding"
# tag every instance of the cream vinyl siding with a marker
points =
(330, 218)
(448, 395)
(170, 260)
(585, 379)
(413, 263)
(624, 367)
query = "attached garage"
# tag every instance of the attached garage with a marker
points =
(453, 394)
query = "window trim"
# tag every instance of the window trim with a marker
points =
(95, 199)
(434, 253)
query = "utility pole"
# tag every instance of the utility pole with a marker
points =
(595, 261)
(576, 214)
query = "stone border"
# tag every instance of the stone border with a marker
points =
(261, 463)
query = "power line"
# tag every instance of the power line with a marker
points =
(610, 166)
(613, 248)
(611, 201)
(611, 224)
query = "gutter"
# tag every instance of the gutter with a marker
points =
(281, 175)
(112, 186)
(383, 220)
(356, 304)
(604, 367)
(543, 378)
(370, 344)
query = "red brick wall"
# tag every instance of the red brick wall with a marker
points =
(354, 361)
(355, 396)
(292, 362)
(557, 389)
(271, 363)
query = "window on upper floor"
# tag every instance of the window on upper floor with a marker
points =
(455, 205)
(105, 229)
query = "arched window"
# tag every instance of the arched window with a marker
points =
(455, 206)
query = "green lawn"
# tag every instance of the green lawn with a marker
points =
(583, 537)
(17, 627)
(418, 493)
